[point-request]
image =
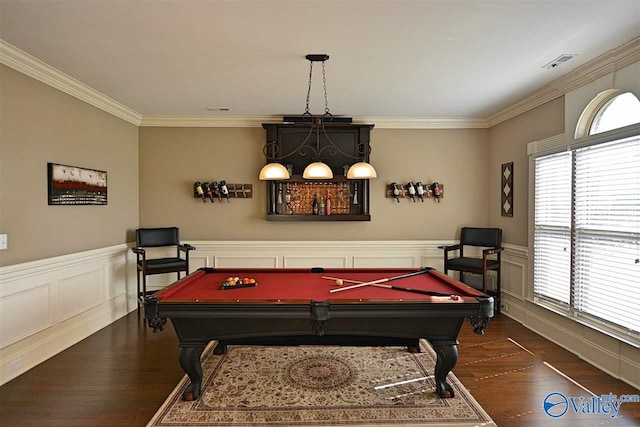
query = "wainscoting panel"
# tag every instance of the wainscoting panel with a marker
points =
(514, 273)
(328, 254)
(198, 261)
(79, 293)
(389, 260)
(290, 261)
(250, 261)
(117, 272)
(51, 304)
(14, 325)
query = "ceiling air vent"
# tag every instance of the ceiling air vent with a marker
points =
(560, 60)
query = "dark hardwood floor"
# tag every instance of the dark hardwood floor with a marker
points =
(122, 374)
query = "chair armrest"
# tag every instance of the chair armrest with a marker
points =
(186, 247)
(490, 251)
(141, 255)
(450, 247)
(138, 251)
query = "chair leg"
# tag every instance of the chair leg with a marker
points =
(144, 286)
(484, 278)
(138, 287)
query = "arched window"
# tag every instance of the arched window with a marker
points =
(619, 111)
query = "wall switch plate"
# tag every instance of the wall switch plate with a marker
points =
(3, 242)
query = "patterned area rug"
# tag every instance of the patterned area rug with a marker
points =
(320, 386)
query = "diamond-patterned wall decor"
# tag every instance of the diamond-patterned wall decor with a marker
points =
(506, 193)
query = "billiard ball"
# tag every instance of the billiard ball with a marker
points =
(339, 282)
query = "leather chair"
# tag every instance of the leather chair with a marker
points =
(488, 238)
(157, 238)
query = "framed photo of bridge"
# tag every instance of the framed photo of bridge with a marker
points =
(73, 185)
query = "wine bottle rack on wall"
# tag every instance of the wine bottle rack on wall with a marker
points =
(404, 193)
(235, 191)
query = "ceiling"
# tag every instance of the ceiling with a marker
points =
(388, 58)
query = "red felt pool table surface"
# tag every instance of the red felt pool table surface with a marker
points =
(293, 285)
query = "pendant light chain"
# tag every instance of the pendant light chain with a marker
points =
(326, 100)
(306, 110)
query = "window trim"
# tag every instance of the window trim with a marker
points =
(557, 144)
(591, 110)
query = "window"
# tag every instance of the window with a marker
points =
(552, 236)
(587, 222)
(617, 112)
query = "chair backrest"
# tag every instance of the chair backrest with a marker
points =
(488, 237)
(156, 237)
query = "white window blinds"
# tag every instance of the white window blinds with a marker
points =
(607, 232)
(552, 229)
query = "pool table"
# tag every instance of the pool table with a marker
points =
(297, 307)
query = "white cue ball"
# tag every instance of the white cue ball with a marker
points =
(339, 282)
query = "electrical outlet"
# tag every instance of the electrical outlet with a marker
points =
(3, 242)
(504, 307)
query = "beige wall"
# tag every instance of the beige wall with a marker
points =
(509, 144)
(39, 124)
(171, 159)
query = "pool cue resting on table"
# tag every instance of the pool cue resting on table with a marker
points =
(380, 283)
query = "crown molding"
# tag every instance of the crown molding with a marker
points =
(208, 122)
(609, 62)
(21, 61)
(380, 122)
(424, 122)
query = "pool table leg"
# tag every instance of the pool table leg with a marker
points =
(189, 357)
(447, 356)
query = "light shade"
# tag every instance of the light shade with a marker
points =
(317, 170)
(361, 170)
(273, 172)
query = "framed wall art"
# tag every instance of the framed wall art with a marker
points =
(506, 189)
(73, 185)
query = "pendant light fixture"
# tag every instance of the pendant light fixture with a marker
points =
(274, 172)
(317, 169)
(361, 170)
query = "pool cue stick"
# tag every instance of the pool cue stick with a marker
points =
(397, 288)
(344, 280)
(375, 282)
(380, 283)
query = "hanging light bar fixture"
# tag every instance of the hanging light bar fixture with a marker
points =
(317, 169)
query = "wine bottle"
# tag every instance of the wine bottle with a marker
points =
(314, 205)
